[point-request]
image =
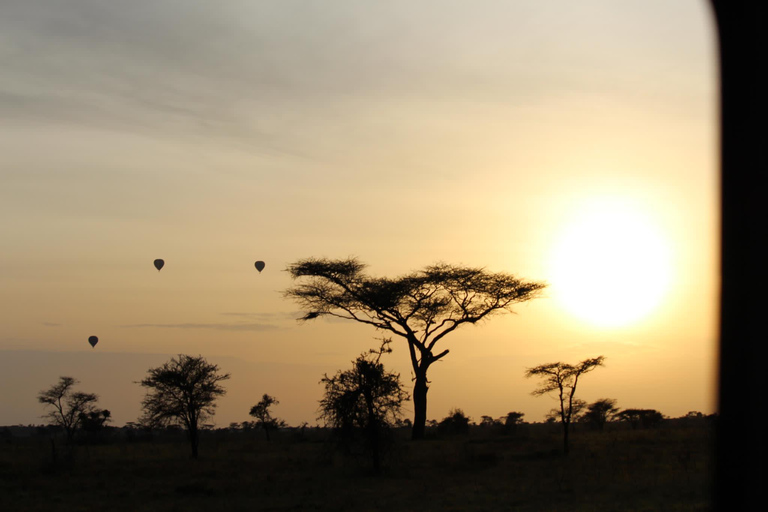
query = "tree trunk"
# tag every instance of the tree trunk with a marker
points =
(374, 436)
(565, 437)
(193, 440)
(54, 456)
(373, 429)
(70, 431)
(420, 389)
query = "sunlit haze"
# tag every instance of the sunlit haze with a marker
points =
(567, 142)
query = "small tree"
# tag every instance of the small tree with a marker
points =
(421, 307)
(182, 392)
(364, 400)
(403, 423)
(263, 416)
(600, 412)
(488, 422)
(96, 420)
(456, 423)
(563, 378)
(644, 418)
(68, 408)
(512, 420)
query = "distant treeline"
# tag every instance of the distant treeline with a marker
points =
(452, 424)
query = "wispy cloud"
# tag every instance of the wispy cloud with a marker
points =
(285, 315)
(51, 324)
(203, 71)
(144, 66)
(214, 327)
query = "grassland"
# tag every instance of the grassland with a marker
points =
(666, 468)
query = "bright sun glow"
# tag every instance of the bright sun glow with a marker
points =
(611, 266)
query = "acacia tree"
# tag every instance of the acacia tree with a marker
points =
(488, 421)
(600, 412)
(68, 408)
(563, 378)
(263, 416)
(512, 420)
(95, 420)
(644, 418)
(421, 307)
(366, 399)
(455, 423)
(182, 392)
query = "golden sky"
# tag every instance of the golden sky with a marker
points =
(567, 142)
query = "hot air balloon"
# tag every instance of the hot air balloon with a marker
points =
(159, 264)
(93, 340)
(259, 266)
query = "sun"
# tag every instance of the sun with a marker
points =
(610, 265)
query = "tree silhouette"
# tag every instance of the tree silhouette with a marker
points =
(644, 418)
(95, 420)
(182, 392)
(456, 423)
(422, 307)
(512, 420)
(600, 412)
(364, 400)
(488, 421)
(68, 408)
(563, 378)
(263, 416)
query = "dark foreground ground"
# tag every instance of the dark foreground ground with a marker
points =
(666, 468)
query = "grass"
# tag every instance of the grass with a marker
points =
(662, 469)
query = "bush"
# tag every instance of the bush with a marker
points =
(456, 423)
(362, 405)
(641, 418)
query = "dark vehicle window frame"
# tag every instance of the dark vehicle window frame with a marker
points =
(740, 443)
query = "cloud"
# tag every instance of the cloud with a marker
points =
(52, 324)
(285, 315)
(215, 327)
(202, 70)
(269, 73)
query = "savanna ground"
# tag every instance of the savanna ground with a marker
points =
(665, 468)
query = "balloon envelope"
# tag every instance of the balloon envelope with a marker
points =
(159, 264)
(259, 266)
(93, 340)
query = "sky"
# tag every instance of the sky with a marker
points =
(568, 142)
